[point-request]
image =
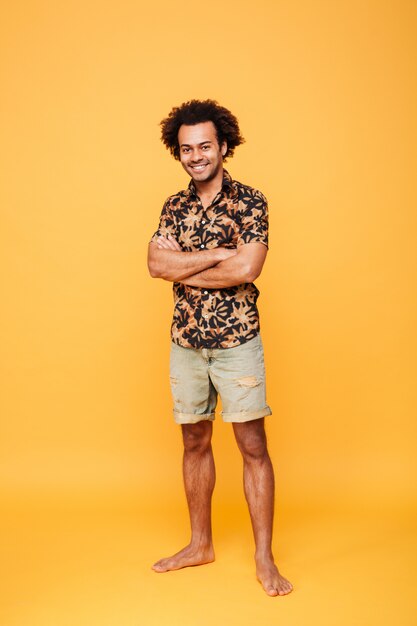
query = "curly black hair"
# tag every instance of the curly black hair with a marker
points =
(195, 112)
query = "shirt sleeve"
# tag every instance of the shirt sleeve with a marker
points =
(166, 222)
(254, 219)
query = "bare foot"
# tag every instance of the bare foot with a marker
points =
(268, 575)
(187, 557)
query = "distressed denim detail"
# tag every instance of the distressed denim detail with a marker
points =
(237, 375)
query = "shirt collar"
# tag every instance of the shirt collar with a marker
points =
(227, 184)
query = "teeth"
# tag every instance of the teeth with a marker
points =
(198, 167)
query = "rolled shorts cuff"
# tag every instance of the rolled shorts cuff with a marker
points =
(192, 418)
(246, 416)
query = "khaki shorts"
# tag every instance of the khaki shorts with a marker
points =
(237, 374)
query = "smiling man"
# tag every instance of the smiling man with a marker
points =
(211, 244)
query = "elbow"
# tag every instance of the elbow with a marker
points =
(154, 271)
(157, 272)
(251, 273)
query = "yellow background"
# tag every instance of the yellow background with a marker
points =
(90, 458)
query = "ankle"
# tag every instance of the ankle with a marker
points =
(264, 554)
(201, 544)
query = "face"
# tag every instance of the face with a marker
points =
(200, 153)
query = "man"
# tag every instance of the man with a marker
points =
(211, 243)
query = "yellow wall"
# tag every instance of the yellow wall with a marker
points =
(326, 96)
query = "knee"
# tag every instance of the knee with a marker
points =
(253, 447)
(196, 437)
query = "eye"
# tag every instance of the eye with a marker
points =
(206, 147)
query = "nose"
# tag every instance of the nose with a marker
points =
(196, 156)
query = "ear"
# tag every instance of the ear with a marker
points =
(223, 148)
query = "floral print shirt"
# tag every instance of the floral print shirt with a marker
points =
(215, 318)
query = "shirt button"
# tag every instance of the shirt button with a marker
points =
(203, 222)
(205, 292)
(202, 245)
(205, 316)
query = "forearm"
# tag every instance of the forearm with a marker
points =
(176, 266)
(243, 267)
(228, 273)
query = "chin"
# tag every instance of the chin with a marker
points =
(203, 177)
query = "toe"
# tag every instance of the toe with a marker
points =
(286, 588)
(271, 590)
(158, 566)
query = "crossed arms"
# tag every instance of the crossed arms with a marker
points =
(215, 269)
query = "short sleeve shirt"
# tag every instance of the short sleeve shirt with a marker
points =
(215, 318)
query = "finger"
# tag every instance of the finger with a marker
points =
(175, 242)
(171, 245)
(163, 243)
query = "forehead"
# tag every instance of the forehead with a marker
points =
(197, 133)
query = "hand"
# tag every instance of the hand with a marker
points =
(168, 243)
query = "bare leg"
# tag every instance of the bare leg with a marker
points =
(199, 479)
(259, 485)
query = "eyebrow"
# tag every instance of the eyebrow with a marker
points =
(188, 145)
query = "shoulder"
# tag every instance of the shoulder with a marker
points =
(176, 199)
(248, 195)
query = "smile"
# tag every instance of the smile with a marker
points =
(198, 168)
